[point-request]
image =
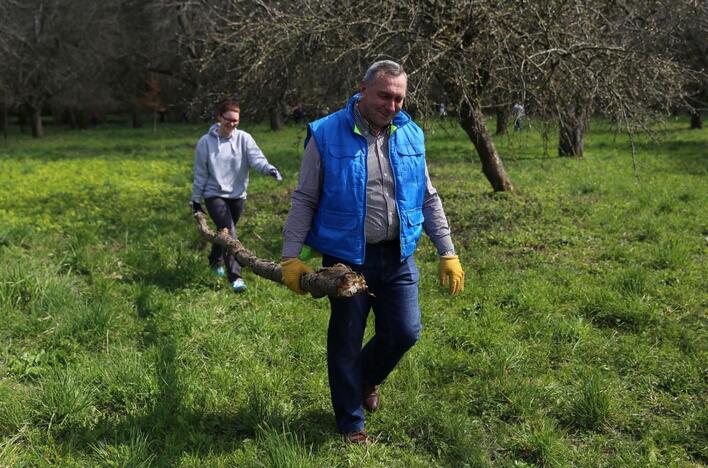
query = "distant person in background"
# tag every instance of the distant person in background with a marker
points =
(223, 158)
(442, 110)
(517, 113)
(298, 113)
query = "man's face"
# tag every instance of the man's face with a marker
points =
(382, 99)
(229, 121)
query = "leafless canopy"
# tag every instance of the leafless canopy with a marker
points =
(561, 59)
(543, 54)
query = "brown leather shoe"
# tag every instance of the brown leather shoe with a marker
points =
(370, 397)
(356, 437)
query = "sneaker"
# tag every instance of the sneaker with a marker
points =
(238, 285)
(219, 271)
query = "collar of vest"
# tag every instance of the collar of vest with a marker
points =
(399, 120)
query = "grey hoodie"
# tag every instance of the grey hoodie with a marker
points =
(221, 164)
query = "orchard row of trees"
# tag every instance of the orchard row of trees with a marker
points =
(564, 60)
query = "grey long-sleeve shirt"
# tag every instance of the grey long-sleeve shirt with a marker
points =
(381, 222)
(221, 164)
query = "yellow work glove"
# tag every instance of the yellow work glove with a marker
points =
(292, 269)
(451, 273)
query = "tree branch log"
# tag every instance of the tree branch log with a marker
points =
(335, 281)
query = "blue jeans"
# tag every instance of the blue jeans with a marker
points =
(394, 299)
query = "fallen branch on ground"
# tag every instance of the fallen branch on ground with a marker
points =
(335, 281)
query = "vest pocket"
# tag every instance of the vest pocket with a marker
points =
(414, 217)
(337, 233)
(338, 220)
(410, 150)
(345, 151)
(411, 229)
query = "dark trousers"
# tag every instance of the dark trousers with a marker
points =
(225, 213)
(394, 300)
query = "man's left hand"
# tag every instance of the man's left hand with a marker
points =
(451, 274)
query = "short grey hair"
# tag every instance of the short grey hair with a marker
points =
(383, 67)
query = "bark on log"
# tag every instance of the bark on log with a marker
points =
(335, 281)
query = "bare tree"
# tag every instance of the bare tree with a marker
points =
(49, 46)
(595, 55)
(264, 50)
(324, 46)
(7, 55)
(184, 57)
(145, 60)
(687, 39)
(563, 58)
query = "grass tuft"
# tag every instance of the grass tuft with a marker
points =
(605, 308)
(669, 254)
(62, 401)
(135, 452)
(590, 408)
(283, 449)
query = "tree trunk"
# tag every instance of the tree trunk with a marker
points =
(571, 140)
(37, 126)
(335, 281)
(471, 120)
(69, 118)
(3, 119)
(276, 117)
(82, 119)
(135, 119)
(58, 115)
(502, 120)
(696, 120)
(22, 118)
(571, 134)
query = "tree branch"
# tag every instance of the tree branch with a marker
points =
(335, 281)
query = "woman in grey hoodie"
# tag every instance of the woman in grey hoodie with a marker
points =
(221, 163)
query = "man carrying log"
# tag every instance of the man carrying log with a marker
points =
(363, 199)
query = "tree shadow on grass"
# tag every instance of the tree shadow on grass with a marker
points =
(686, 157)
(171, 430)
(169, 278)
(681, 157)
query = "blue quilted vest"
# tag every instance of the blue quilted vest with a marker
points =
(338, 225)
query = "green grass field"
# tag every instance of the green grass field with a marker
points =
(580, 339)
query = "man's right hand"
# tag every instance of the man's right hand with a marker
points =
(292, 269)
